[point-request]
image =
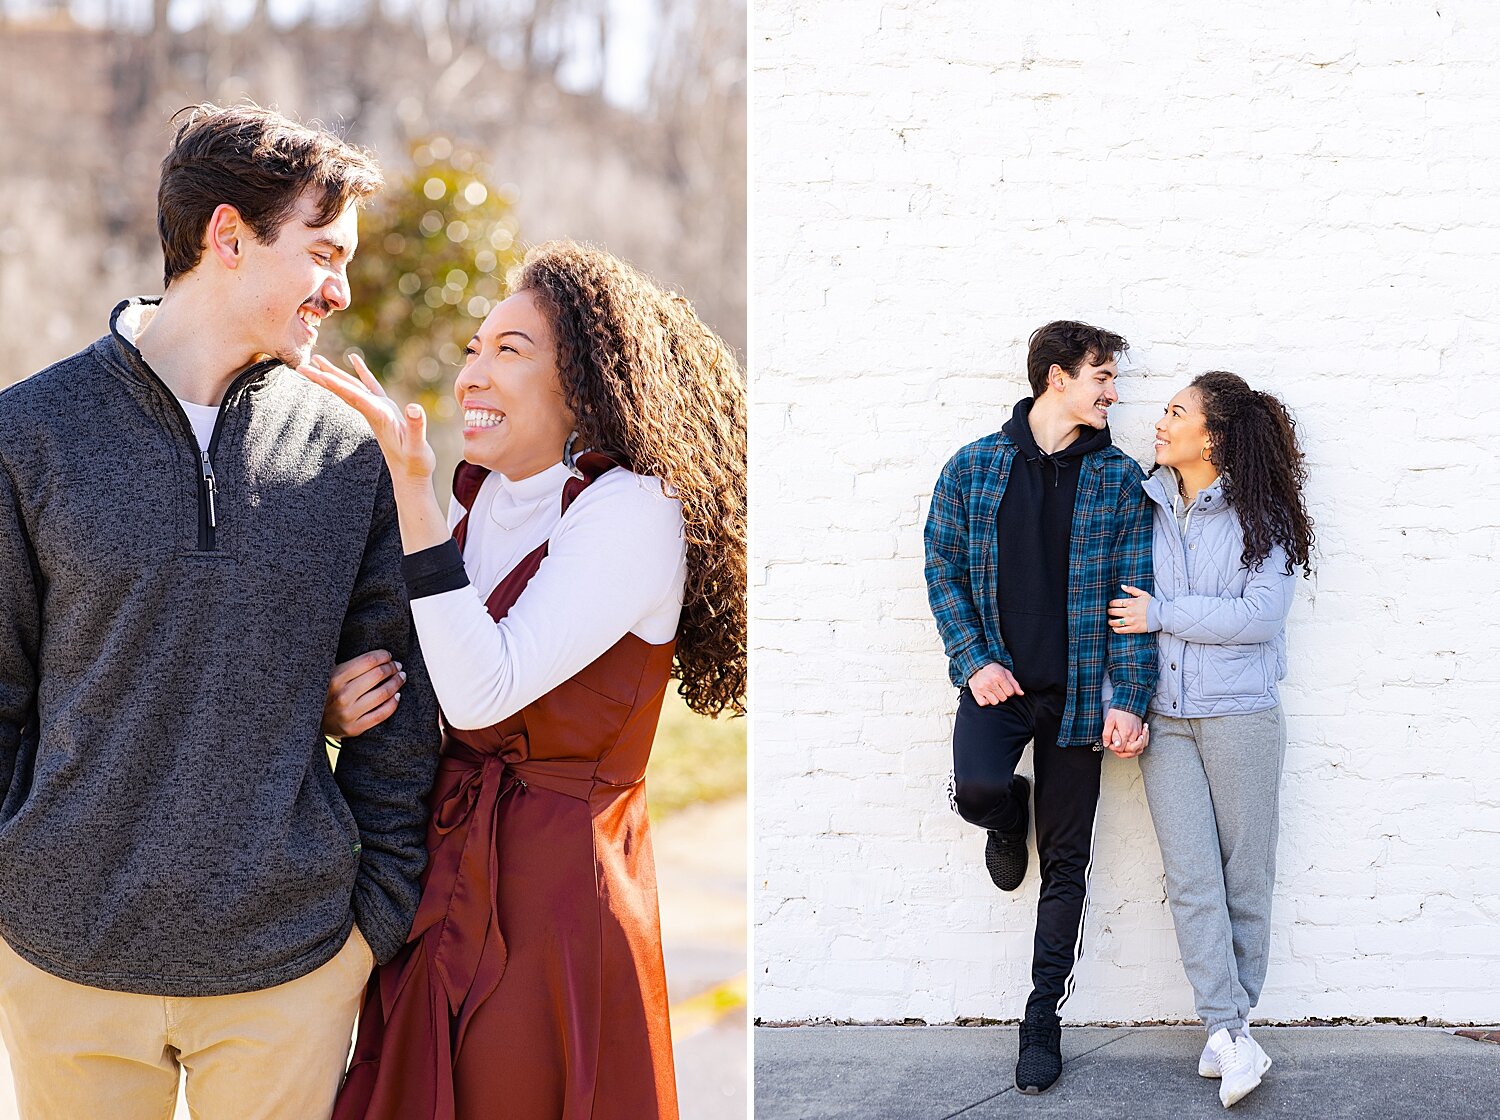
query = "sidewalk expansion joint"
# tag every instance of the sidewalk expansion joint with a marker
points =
(1012, 1088)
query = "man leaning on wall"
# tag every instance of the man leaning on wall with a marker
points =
(190, 536)
(1029, 533)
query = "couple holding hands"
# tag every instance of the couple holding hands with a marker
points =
(1059, 573)
(197, 537)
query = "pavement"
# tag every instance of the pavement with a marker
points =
(1123, 1073)
(702, 880)
(702, 877)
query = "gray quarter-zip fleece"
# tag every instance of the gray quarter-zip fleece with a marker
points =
(170, 823)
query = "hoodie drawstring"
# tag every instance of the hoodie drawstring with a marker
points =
(1043, 457)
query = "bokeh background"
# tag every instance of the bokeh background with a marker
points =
(499, 124)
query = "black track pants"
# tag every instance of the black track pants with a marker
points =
(987, 744)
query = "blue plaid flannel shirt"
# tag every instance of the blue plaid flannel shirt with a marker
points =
(1111, 545)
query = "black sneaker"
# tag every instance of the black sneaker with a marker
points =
(1005, 852)
(1039, 1063)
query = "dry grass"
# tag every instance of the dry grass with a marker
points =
(694, 759)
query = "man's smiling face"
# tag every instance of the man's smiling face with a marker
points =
(1086, 398)
(289, 285)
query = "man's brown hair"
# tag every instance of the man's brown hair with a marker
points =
(1067, 344)
(260, 163)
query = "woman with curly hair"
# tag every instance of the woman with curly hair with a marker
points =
(595, 549)
(1229, 527)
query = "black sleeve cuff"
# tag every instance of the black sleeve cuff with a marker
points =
(434, 570)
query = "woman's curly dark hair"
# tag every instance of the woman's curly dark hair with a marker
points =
(1253, 443)
(651, 384)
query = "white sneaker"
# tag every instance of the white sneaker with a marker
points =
(1260, 1061)
(1237, 1061)
(1208, 1064)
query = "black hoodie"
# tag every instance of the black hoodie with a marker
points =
(1035, 528)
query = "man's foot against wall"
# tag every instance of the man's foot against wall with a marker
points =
(1005, 852)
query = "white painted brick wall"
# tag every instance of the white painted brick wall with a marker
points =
(1305, 193)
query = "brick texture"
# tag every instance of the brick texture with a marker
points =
(1304, 194)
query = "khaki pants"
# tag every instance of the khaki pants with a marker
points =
(78, 1053)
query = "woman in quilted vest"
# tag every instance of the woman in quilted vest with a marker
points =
(1229, 528)
(594, 549)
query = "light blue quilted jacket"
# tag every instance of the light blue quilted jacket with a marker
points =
(1221, 628)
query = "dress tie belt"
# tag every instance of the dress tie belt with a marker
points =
(458, 919)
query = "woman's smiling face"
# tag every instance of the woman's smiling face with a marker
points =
(1182, 431)
(516, 420)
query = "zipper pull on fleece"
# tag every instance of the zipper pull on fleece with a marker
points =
(208, 482)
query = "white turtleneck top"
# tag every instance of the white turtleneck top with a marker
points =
(615, 564)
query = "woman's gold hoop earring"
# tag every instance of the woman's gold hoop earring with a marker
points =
(1205, 453)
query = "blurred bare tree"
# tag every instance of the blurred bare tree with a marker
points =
(699, 93)
(625, 127)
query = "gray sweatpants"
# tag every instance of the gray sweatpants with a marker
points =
(1212, 785)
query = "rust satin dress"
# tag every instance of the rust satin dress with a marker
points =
(532, 986)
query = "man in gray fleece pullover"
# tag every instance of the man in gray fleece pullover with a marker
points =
(191, 536)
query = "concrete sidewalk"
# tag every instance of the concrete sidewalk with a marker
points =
(1129, 1073)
